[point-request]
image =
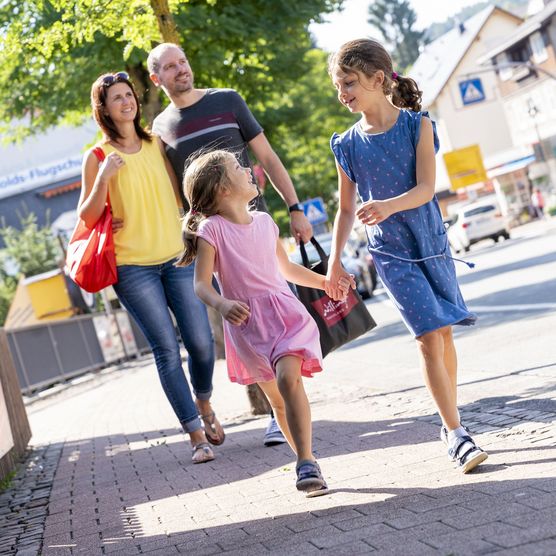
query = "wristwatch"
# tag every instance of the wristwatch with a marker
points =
(294, 207)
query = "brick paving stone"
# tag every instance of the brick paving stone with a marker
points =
(349, 549)
(120, 481)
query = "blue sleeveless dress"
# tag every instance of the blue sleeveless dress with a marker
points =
(410, 248)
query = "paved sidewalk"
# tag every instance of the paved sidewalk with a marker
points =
(110, 473)
(122, 483)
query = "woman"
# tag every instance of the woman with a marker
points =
(144, 196)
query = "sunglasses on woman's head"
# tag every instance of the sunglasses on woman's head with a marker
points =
(112, 78)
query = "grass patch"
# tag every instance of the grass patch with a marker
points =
(6, 482)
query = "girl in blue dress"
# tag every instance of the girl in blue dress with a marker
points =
(387, 158)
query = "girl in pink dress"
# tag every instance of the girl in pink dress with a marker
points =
(270, 338)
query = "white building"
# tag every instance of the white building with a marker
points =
(465, 100)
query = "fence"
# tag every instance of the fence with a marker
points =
(51, 352)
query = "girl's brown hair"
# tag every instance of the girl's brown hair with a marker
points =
(206, 174)
(368, 56)
(99, 93)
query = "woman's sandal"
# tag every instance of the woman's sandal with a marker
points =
(211, 430)
(202, 453)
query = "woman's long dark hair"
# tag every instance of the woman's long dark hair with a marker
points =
(368, 56)
(99, 92)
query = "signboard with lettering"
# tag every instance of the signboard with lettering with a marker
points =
(31, 178)
(465, 167)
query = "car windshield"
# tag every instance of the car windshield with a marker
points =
(479, 210)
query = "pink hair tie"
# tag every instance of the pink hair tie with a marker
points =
(193, 212)
(394, 75)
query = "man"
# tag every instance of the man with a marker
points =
(217, 118)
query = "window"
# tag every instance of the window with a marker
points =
(479, 210)
(505, 71)
(537, 46)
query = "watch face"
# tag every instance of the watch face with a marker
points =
(295, 206)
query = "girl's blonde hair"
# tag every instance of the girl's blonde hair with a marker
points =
(368, 56)
(204, 178)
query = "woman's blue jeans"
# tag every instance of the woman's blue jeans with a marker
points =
(149, 293)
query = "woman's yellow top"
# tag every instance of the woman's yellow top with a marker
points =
(141, 193)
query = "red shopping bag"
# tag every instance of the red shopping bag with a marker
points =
(90, 258)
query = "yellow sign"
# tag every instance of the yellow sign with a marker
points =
(465, 167)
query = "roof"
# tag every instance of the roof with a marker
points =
(528, 27)
(440, 58)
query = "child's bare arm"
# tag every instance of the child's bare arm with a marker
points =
(303, 276)
(233, 311)
(375, 212)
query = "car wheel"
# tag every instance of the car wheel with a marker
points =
(506, 235)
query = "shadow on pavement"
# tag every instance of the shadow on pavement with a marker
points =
(116, 493)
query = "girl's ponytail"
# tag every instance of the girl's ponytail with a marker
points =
(369, 56)
(190, 225)
(406, 93)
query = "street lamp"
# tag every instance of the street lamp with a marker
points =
(533, 111)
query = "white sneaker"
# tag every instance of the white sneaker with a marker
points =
(273, 435)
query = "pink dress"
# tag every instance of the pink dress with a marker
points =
(246, 268)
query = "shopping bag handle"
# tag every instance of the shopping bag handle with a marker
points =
(323, 256)
(99, 153)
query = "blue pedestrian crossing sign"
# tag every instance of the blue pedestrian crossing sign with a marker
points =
(472, 91)
(314, 210)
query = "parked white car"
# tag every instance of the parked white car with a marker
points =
(475, 222)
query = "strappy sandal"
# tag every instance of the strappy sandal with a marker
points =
(444, 433)
(202, 453)
(211, 431)
(466, 454)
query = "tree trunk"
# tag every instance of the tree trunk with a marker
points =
(169, 33)
(165, 20)
(147, 92)
(258, 401)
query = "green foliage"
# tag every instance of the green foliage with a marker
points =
(6, 482)
(52, 50)
(551, 211)
(395, 20)
(299, 128)
(32, 248)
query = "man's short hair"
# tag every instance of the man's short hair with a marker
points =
(153, 60)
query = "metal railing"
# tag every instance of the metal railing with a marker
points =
(55, 351)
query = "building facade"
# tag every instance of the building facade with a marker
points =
(525, 65)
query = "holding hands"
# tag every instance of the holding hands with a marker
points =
(338, 282)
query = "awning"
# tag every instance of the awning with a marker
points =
(59, 189)
(512, 166)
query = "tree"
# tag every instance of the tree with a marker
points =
(33, 249)
(53, 49)
(301, 127)
(395, 20)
